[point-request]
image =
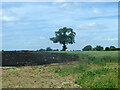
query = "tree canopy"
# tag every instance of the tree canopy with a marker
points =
(87, 48)
(64, 36)
(99, 48)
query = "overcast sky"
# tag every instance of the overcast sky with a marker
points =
(30, 25)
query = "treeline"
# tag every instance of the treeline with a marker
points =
(86, 48)
(99, 48)
(48, 49)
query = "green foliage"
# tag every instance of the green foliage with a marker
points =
(99, 48)
(56, 50)
(48, 49)
(111, 48)
(64, 36)
(41, 50)
(87, 48)
(107, 49)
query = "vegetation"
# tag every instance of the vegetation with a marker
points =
(94, 69)
(87, 48)
(64, 36)
(107, 49)
(99, 48)
(48, 49)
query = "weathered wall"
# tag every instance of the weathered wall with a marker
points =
(34, 58)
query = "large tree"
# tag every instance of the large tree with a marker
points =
(64, 36)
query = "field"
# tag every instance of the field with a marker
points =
(94, 69)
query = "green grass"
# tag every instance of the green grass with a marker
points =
(99, 78)
(67, 70)
(90, 76)
(96, 57)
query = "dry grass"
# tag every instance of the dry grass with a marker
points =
(35, 77)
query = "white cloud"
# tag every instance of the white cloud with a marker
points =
(64, 5)
(106, 39)
(9, 18)
(8, 15)
(42, 38)
(96, 11)
(111, 39)
(91, 26)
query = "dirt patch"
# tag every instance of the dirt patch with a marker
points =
(35, 77)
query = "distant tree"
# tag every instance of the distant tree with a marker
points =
(2, 50)
(112, 48)
(107, 49)
(94, 49)
(117, 49)
(41, 50)
(87, 48)
(48, 49)
(56, 50)
(64, 36)
(99, 48)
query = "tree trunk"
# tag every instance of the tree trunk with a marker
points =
(64, 47)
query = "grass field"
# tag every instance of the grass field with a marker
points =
(94, 69)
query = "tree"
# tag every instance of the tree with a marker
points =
(64, 36)
(94, 49)
(56, 50)
(48, 49)
(99, 48)
(112, 48)
(41, 50)
(107, 49)
(87, 48)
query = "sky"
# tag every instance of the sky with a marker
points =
(29, 25)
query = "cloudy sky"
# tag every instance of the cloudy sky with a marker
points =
(30, 25)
